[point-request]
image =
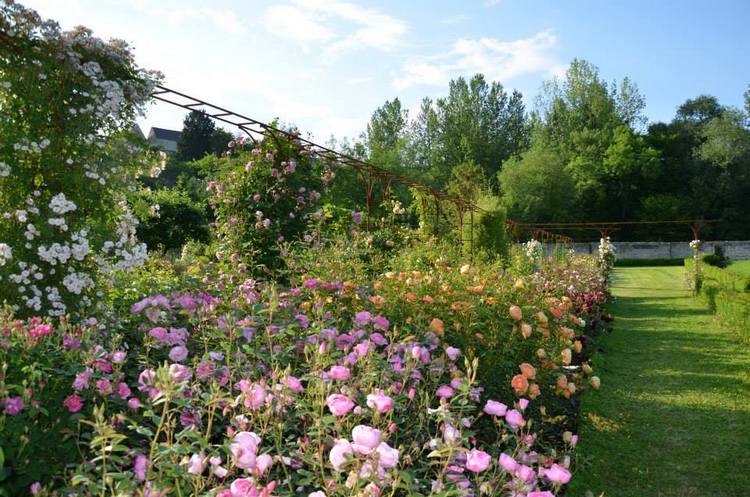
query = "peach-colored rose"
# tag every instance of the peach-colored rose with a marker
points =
(515, 312)
(526, 330)
(534, 391)
(541, 318)
(595, 382)
(567, 356)
(520, 384)
(578, 346)
(437, 326)
(528, 370)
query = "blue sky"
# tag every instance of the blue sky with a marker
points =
(325, 65)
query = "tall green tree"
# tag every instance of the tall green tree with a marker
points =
(196, 138)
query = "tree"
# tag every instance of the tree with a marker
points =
(387, 126)
(536, 187)
(482, 123)
(220, 139)
(196, 138)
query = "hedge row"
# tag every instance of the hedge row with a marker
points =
(727, 296)
(649, 262)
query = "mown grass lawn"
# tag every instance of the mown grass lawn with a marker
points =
(740, 267)
(672, 418)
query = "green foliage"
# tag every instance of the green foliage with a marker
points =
(536, 186)
(727, 295)
(172, 219)
(488, 233)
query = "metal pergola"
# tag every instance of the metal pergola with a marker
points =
(370, 173)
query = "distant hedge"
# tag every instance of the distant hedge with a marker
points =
(728, 297)
(649, 262)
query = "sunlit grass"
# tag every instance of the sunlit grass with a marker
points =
(672, 418)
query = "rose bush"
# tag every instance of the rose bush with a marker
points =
(339, 387)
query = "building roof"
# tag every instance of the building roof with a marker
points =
(165, 134)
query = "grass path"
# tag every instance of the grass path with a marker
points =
(672, 418)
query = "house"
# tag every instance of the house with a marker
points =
(165, 139)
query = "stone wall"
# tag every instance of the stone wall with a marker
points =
(665, 250)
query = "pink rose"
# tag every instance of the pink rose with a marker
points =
(73, 403)
(293, 384)
(540, 494)
(523, 403)
(243, 487)
(262, 463)
(525, 473)
(339, 404)
(388, 456)
(452, 353)
(366, 439)
(244, 448)
(380, 402)
(495, 408)
(339, 373)
(196, 464)
(514, 419)
(477, 460)
(444, 392)
(339, 453)
(557, 474)
(508, 463)
(178, 353)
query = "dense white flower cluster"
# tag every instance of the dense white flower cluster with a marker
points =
(60, 205)
(533, 250)
(606, 258)
(75, 282)
(53, 236)
(695, 245)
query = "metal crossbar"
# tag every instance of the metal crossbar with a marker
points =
(256, 129)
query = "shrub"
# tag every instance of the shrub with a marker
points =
(649, 262)
(66, 159)
(172, 219)
(265, 195)
(327, 386)
(488, 233)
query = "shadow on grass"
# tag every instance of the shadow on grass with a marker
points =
(673, 416)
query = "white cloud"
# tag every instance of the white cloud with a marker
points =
(226, 20)
(497, 60)
(335, 25)
(358, 80)
(455, 19)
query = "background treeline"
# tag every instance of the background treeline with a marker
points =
(584, 152)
